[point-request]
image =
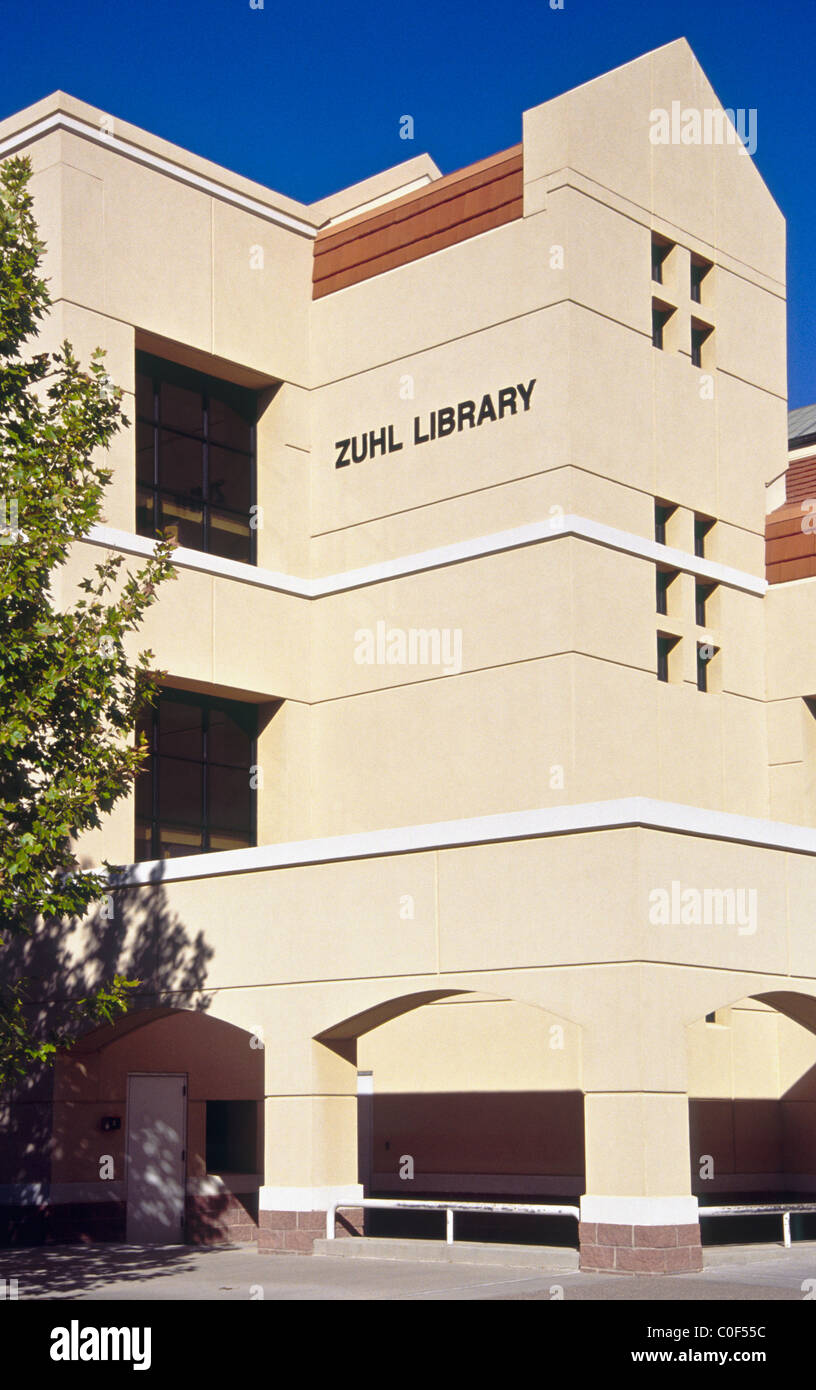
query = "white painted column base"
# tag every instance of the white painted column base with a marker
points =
(640, 1211)
(307, 1198)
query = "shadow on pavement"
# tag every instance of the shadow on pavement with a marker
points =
(66, 1272)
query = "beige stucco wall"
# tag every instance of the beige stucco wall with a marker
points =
(555, 701)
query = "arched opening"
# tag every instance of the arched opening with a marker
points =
(469, 1097)
(157, 1132)
(752, 1114)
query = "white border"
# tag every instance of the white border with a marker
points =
(307, 1198)
(530, 534)
(421, 182)
(627, 811)
(641, 1211)
(60, 121)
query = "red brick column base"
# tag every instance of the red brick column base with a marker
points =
(295, 1232)
(608, 1249)
(218, 1220)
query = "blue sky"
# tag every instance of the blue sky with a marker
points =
(307, 97)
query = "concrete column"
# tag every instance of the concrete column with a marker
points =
(638, 1215)
(310, 1158)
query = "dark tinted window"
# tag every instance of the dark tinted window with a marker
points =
(195, 792)
(195, 459)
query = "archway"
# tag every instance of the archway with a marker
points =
(157, 1137)
(752, 1113)
(472, 1097)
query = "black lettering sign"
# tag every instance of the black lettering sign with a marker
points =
(445, 420)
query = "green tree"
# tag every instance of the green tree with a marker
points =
(69, 696)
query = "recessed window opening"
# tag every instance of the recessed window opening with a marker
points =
(699, 270)
(661, 314)
(705, 654)
(663, 580)
(194, 793)
(665, 643)
(195, 459)
(663, 511)
(660, 251)
(702, 593)
(702, 526)
(700, 333)
(231, 1136)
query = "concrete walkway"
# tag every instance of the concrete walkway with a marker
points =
(181, 1272)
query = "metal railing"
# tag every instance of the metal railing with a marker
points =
(449, 1208)
(783, 1209)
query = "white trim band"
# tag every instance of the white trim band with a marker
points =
(530, 534)
(60, 121)
(633, 811)
(307, 1198)
(640, 1211)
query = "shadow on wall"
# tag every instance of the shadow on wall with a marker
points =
(491, 1146)
(753, 1132)
(753, 1151)
(132, 933)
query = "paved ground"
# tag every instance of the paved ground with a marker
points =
(110, 1272)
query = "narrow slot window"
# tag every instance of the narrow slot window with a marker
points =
(665, 643)
(660, 317)
(699, 270)
(660, 251)
(702, 526)
(700, 334)
(663, 511)
(705, 654)
(663, 580)
(702, 593)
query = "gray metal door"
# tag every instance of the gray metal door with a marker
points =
(156, 1160)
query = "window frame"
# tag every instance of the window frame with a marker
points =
(239, 398)
(151, 765)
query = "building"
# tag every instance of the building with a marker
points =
(477, 852)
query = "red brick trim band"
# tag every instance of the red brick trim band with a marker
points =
(445, 212)
(609, 1249)
(295, 1232)
(218, 1220)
